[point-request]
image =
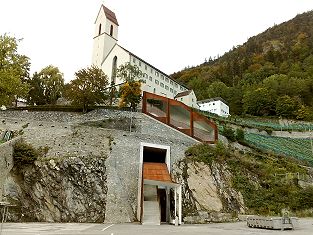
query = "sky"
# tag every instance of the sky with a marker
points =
(169, 34)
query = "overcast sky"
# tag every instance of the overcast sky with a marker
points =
(169, 34)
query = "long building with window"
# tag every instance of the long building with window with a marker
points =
(109, 55)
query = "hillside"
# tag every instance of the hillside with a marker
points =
(270, 74)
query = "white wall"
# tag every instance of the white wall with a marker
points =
(156, 81)
(122, 58)
(103, 42)
(105, 48)
(218, 107)
(189, 100)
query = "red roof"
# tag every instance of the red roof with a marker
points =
(156, 171)
(110, 15)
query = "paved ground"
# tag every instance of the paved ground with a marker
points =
(240, 228)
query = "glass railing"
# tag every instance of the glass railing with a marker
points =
(180, 117)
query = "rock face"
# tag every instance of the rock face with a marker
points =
(63, 190)
(6, 161)
(60, 191)
(90, 171)
(207, 192)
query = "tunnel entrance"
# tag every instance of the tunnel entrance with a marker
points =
(156, 155)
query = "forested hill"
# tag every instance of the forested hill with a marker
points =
(270, 74)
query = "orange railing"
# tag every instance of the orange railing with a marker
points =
(180, 117)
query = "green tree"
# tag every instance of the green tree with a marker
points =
(36, 94)
(89, 87)
(286, 106)
(130, 91)
(14, 70)
(46, 86)
(128, 72)
(218, 89)
(305, 113)
(258, 101)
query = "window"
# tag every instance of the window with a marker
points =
(171, 90)
(150, 78)
(176, 85)
(213, 103)
(175, 92)
(171, 82)
(156, 82)
(111, 30)
(166, 87)
(181, 88)
(166, 79)
(145, 75)
(156, 73)
(113, 75)
(151, 70)
(146, 67)
(134, 60)
(181, 99)
(162, 77)
(162, 84)
(99, 29)
(139, 63)
(153, 90)
(192, 100)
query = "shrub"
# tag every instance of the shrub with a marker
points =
(206, 153)
(240, 135)
(201, 152)
(229, 133)
(24, 154)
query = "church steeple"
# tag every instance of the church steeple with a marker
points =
(105, 36)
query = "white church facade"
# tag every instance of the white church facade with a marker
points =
(109, 55)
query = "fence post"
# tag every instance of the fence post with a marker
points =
(191, 123)
(168, 111)
(144, 102)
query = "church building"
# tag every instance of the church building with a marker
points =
(109, 55)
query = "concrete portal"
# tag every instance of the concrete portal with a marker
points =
(154, 175)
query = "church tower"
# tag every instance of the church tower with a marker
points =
(105, 36)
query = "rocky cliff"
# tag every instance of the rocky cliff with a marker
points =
(71, 189)
(208, 193)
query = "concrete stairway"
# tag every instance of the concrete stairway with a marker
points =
(151, 207)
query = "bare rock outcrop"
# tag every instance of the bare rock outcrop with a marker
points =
(72, 189)
(208, 195)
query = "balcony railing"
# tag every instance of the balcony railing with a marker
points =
(180, 117)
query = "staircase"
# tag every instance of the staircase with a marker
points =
(151, 206)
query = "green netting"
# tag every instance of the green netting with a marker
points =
(300, 148)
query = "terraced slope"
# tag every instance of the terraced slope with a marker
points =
(293, 147)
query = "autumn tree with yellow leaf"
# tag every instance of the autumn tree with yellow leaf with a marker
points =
(130, 91)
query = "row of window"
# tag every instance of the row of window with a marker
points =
(222, 104)
(157, 74)
(161, 84)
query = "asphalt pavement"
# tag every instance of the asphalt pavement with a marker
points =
(238, 228)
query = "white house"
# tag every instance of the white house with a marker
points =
(215, 105)
(188, 98)
(109, 55)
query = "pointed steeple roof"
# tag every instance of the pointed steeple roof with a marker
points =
(110, 15)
